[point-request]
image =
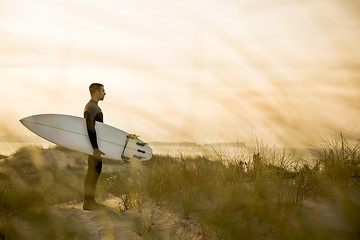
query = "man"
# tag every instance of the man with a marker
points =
(92, 113)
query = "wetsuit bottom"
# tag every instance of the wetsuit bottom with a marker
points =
(91, 178)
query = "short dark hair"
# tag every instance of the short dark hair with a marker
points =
(95, 87)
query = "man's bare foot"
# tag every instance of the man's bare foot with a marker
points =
(91, 205)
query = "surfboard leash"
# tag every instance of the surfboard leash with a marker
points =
(123, 157)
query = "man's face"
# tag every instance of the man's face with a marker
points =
(101, 93)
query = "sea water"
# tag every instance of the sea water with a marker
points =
(222, 152)
(8, 148)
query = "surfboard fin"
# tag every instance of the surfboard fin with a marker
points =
(138, 157)
(141, 144)
(141, 151)
(132, 136)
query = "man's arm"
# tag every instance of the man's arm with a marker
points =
(90, 124)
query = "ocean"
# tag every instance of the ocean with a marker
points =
(221, 151)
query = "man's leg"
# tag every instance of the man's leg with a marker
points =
(91, 178)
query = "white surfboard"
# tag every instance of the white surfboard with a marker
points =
(71, 132)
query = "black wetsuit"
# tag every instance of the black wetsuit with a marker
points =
(92, 113)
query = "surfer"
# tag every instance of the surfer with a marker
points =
(92, 113)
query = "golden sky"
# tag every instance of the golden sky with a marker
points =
(204, 71)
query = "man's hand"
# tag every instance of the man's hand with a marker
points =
(97, 153)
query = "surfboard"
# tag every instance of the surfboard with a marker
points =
(71, 132)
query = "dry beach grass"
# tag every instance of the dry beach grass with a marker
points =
(267, 195)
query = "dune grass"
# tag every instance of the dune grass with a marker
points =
(27, 193)
(266, 195)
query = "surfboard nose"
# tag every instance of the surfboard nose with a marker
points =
(28, 122)
(25, 120)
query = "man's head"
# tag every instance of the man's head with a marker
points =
(97, 91)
